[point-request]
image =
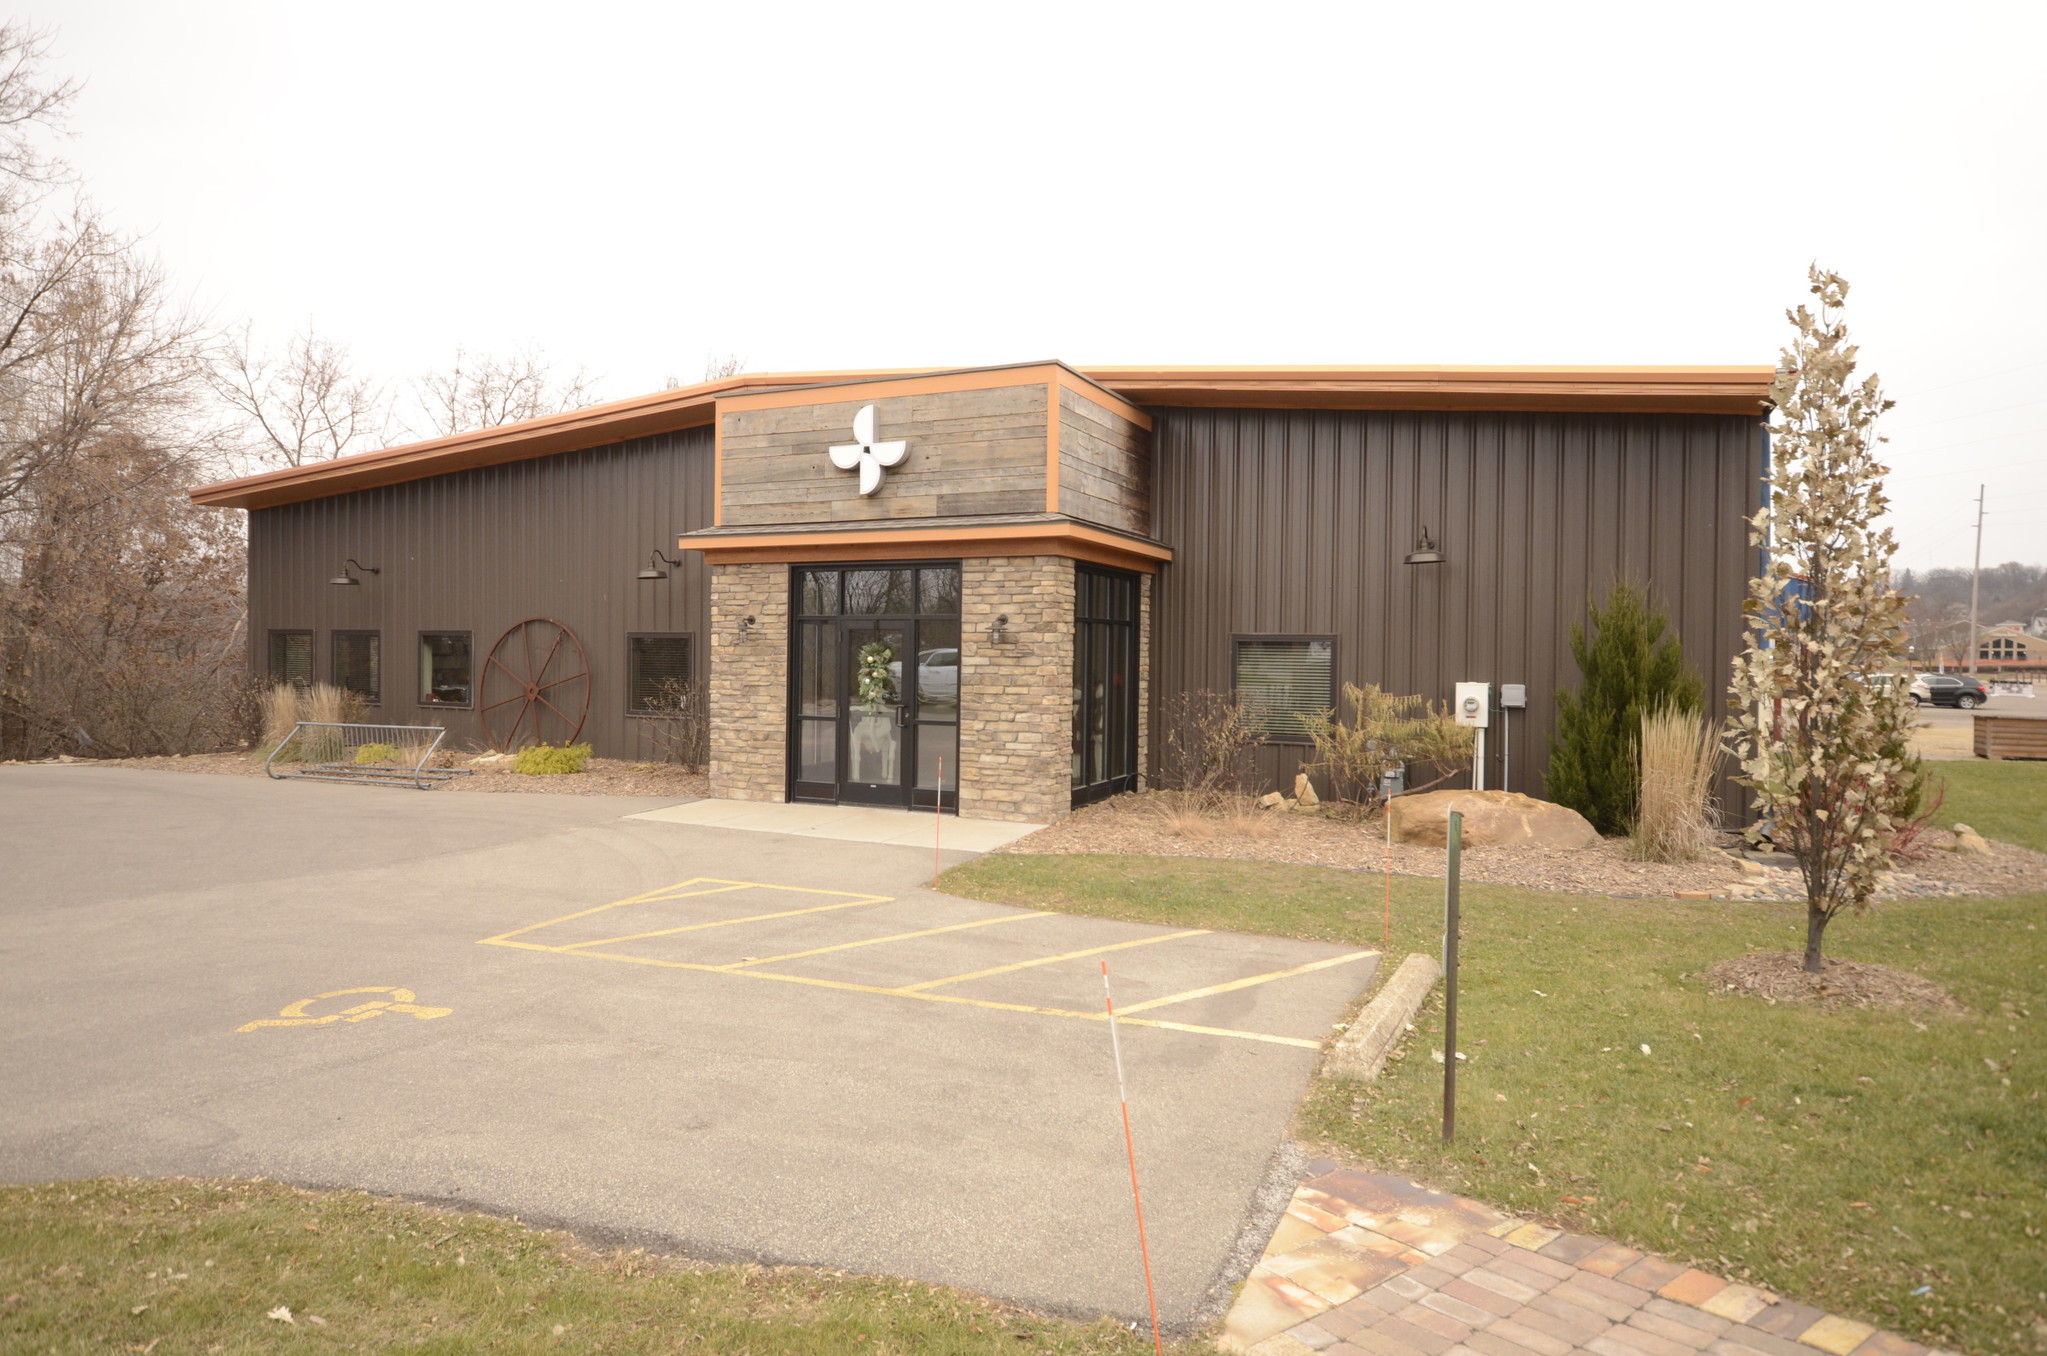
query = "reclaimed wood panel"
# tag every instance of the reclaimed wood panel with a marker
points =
(970, 452)
(1104, 466)
(2011, 737)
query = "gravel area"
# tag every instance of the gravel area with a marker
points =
(1153, 824)
(600, 777)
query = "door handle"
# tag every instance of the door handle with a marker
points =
(902, 714)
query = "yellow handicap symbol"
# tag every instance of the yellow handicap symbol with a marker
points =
(401, 1000)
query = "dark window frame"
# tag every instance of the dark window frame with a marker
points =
(1121, 725)
(334, 662)
(270, 650)
(690, 637)
(1335, 667)
(422, 699)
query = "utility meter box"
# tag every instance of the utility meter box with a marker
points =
(1474, 704)
(1514, 696)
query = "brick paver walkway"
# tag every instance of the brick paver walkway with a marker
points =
(1369, 1263)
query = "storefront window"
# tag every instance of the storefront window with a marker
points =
(357, 666)
(444, 668)
(291, 658)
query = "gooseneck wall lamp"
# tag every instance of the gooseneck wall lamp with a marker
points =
(347, 580)
(654, 564)
(1425, 551)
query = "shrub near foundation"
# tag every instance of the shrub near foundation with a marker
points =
(549, 760)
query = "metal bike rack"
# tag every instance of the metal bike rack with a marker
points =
(375, 755)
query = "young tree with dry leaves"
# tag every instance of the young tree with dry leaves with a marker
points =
(1818, 739)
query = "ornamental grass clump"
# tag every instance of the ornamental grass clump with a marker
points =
(551, 760)
(376, 753)
(1675, 816)
(280, 715)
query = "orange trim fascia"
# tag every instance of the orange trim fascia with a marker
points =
(1101, 395)
(572, 431)
(982, 379)
(1060, 539)
(1667, 390)
(1052, 389)
(1737, 390)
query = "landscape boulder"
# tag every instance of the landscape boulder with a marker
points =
(1491, 819)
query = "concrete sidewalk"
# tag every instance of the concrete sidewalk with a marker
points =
(1371, 1263)
(846, 823)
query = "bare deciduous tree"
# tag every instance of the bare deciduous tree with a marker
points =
(29, 104)
(485, 391)
(304, 404)
(118, 599)
(1822, 744)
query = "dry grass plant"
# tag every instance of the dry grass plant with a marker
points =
(677, 724)
(1676, 813)
(1208, 817)
(1207, 746)
(280, 714)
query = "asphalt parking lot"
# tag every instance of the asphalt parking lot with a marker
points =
(737, 1045)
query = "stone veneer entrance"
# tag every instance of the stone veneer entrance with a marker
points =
(1015, 694)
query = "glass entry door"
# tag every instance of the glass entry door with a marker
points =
(1105, 619)
(874, 685)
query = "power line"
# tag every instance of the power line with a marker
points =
(1966, 414)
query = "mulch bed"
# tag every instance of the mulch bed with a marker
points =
(1780, 977)
(1153, 824)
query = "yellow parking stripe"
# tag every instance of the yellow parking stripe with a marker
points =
(1235, 984)
(720, 923)
(680, 890)
(1048, 960)
(877, 941)
(848, 987)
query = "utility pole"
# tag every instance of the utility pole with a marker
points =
(1975, 579)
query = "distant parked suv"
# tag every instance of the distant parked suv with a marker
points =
(1949, 689)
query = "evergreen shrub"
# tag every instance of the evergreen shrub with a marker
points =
(1629, 667)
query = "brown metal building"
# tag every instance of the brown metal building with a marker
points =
(975, 588)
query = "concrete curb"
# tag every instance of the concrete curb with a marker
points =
(1362, 1050)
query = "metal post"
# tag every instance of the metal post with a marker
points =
(1976, 578)
(1456, 843)
(1506, 749)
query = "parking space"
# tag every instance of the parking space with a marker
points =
(938, 951)
(734, 1044)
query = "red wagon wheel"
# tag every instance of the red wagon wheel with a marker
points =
(536, 686)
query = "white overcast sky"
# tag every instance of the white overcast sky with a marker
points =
(634, 187)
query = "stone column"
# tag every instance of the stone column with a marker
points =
(749, 682)
(1016, 697)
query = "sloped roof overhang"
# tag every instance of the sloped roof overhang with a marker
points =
(1733, 390)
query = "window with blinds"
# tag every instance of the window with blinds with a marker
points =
(657, 668)
(1283, 679)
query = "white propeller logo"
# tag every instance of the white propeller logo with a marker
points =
(867, 454)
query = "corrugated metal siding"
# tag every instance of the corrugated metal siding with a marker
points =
(479, 551)
(1295, 523)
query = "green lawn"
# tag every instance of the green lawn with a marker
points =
(2005, 801)
(1846, 1158)
(180, 1266)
